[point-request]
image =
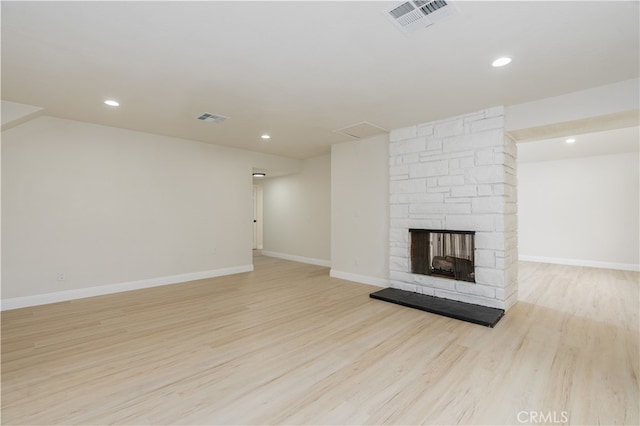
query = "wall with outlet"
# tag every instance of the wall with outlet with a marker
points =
(85, 206)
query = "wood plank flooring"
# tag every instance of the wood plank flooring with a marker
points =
(287, 344)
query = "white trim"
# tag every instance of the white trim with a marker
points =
(301, 259)
(580, 262)
(364, 279)
(61, 296)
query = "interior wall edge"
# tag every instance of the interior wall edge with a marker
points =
(295, 258)
(81, 293)
(581, 262)
(362, 279)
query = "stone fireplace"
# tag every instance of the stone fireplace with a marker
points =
(453, 209)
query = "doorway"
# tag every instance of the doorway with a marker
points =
(257, 216)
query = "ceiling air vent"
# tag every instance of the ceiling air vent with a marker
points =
(212, 118)
(413, 15)
(361, 130)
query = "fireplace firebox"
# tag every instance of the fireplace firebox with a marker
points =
(442, 253)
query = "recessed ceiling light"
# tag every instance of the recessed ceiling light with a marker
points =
(259, 174)
(265, 136)
(570, 140)
(501, 62)
(112, 103)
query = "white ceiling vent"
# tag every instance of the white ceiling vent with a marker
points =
(212, 118)
(413, 15)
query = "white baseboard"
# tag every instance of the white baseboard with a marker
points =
(364, 279)
(301, 259)
(61, 296)
(580, 262)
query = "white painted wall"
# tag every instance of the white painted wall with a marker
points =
(594, 102)
(360, 210)
(581, 211)
(297, 213)
(0, 216)
(13, 113)
(107, 207)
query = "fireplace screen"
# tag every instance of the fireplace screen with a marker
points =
(447, 254)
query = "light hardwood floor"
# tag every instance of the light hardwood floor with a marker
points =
(288, 344)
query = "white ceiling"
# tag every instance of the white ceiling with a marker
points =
(300, 70)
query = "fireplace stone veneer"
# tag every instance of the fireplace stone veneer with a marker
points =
(457, 173)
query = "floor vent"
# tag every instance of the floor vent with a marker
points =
(413, 15)
(212, 118)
